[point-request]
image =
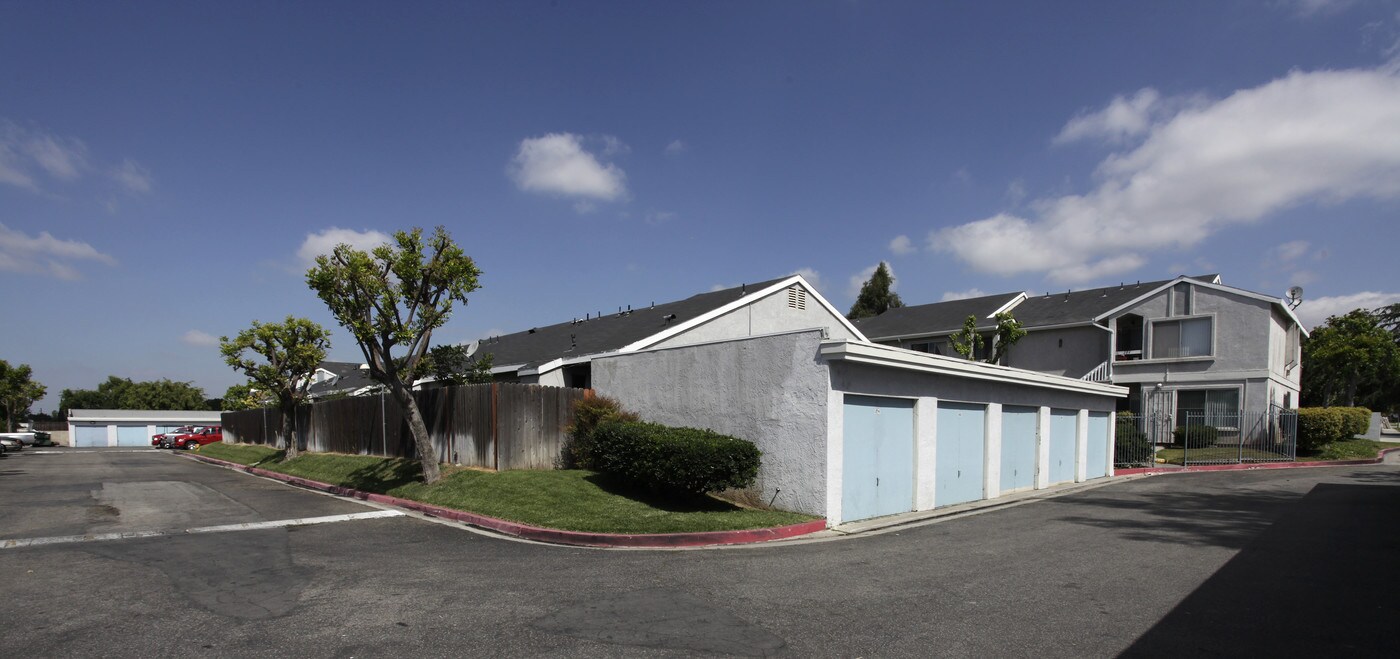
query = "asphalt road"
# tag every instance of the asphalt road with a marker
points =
(1288, 563)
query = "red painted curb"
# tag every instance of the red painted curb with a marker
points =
(1380, 457)
(556, 536)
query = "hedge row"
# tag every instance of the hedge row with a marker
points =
(1320, 426)
(680, 459)
(1195, 436)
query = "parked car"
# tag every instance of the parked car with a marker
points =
(164, 439)
(198, 438)
(42, 438)
(10, 442)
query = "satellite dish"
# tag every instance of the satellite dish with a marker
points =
(1295, 296)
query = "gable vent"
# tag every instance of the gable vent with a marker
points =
(797, 297)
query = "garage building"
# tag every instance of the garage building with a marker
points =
(130, 427)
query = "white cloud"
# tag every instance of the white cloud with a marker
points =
(613, 146)
(1289, 251)
(902, 245)
(676, 148)
(858, 279)
(45, 255)
(963, 176)
(325, 241)
(62, 158)
(1314, 312)
(25, 152)
(1015, 192)
(812, 276)
(557, 164)
(1308, 8)
(1326, 136)
(132, 176)
(658, 217)
(1124, 117)
(195, 337)
(963, 295)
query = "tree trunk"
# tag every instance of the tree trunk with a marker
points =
(289, 430)
(427, 455)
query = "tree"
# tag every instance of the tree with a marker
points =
(123, 394)
(453, 365)
(1351, 359)
(967, 341)
(279, 358)
(1009, 331)
(876, 296)
(243, 397)
(18, 391)
(391, 300)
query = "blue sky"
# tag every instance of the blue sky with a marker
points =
(166, 169)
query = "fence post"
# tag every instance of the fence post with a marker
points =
(495, 433)
(383, 428)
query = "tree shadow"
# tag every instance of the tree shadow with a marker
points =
(385, 475)
(673, 502)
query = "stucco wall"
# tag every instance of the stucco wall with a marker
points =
(1070, 351)
(770, 390)
(768, 315)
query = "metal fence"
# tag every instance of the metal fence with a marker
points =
(497, 426)
(1206, 438)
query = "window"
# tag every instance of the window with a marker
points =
(1181, 299)
(1181, 338)
(931, 347)
(1209, 407)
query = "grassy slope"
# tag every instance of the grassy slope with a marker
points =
(1351, 449)
(574, 500)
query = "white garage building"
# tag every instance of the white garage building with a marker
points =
(130, 427)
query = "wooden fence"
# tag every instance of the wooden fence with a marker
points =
(498, 426)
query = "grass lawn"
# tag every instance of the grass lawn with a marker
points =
(569, 499)
(1352, 449)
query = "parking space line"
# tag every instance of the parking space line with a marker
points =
(224, 528)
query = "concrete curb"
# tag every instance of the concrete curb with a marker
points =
(1380, 457)
(555, 536)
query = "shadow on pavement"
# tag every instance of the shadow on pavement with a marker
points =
(1313, 584)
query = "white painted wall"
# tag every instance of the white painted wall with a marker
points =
(768, 315)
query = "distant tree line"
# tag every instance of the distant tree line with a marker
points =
(125, 394)
(1354, 359)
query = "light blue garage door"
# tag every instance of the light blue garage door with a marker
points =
(133, 436)
(960, 453)
(1018, 450)
(1096, 453)
(1063, 426)
(89, 435)
(877, 474)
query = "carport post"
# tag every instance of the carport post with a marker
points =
(1042, 448)
(1081, 446)
(925, 452)
(991, 463)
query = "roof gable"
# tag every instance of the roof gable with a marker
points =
(934, 318)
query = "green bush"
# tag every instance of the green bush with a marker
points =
(588, 413)
(1318, 427)
(1355, 421)
(1198, 436)
(1130, 443)
(676, 459)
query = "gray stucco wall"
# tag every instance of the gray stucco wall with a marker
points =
(768, 315)
(1070, 351)
(770, 390)
(879, 381)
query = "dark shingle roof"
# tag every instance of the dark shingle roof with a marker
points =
(932, 318)
(1036, 311)
(1084, 306)
(607, 333)
(348, 377)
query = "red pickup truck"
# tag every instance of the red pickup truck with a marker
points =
(164, 439)
(198, 438)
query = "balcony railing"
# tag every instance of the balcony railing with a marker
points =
(1101, 373)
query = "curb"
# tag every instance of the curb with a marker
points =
(554, 536)
(1380, 457)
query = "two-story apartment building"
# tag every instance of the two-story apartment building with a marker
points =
(1183, 345)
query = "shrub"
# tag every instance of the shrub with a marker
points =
(1355, 421)
(677, 459)
(1130, 443)
(588, 413)
(1198, 436)
(1318, 427)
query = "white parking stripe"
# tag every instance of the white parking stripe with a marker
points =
(225, 528)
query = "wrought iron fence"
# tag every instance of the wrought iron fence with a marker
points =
(1206, 437)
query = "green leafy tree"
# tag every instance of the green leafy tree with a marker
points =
(124, 394)
(876, 295)
(1349, 360)
(967, 341)
(279, 358)
(453, 365)
(243, 397)
(1009, 331)
(18, 391)
(391, 300)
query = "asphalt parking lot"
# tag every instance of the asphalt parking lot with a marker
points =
(1288, 562)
